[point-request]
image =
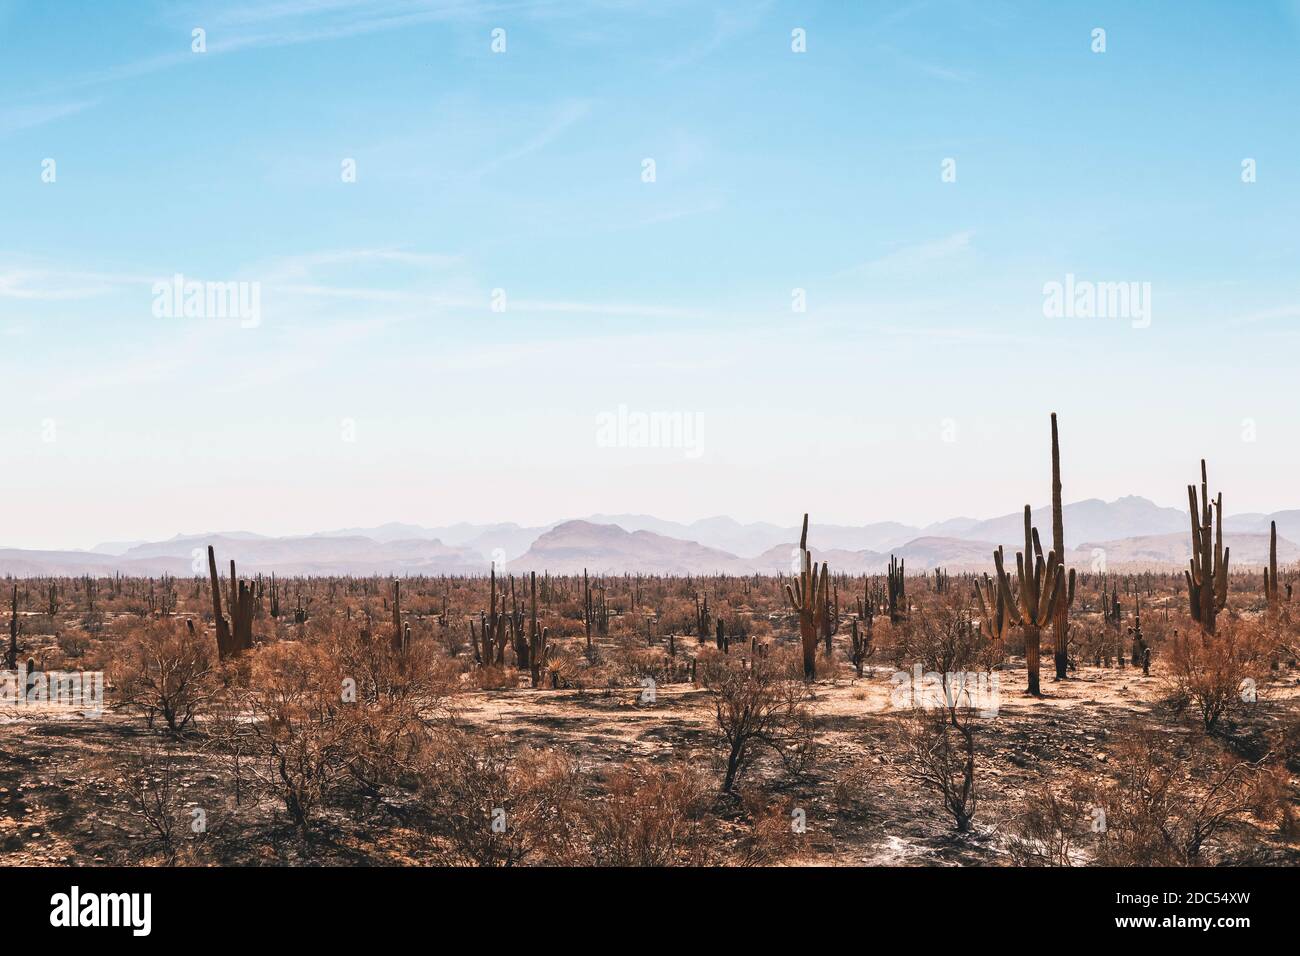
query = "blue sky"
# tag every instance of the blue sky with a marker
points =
(916, 385)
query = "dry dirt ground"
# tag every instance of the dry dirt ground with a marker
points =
(62, 801)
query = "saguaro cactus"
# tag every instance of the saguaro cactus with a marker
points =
(861, 644)
(808, 598)
(537, 649)
(243, 606)
(830, 618)
(223, 628)
(492, 641)
(1207, 577)
(1042, 585)
(587, 614)
(897, 590)
(400, 640)
(702, 618)
(1061, 615)
(1270, 573)
(11, 658)
(237, 634)
(996, 610)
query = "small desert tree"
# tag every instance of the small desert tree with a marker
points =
(300, 735)
(940, 718)
(760, 708)
(164, 670)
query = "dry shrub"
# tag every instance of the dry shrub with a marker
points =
(771, 835)
(1169, 798)
(1215, 673)
(651, 817)
(712, 666)
(939, 754)
(943, 638)
(1173, 796)
(398, 697)
(73, 645)
(760, 708)
(164, 670)
(630, 665)
(494, 807)
(494, 677)
(848, 786)
(151, 789)
(1058, 826)
(1274, 801)
(938, 734)
(300, 736)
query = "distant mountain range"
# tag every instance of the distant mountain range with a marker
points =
(1129, 532)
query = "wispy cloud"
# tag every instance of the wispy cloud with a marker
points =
(25, 117)
(258, 26)
(52, 285)
(306, 265)
(569, 113)
(912, 259)
(938, 71)
(727, 24)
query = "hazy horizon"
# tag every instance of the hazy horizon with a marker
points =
(792, 522)
(460, 283)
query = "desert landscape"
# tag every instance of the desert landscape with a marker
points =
(647, 469)
(1026, 713)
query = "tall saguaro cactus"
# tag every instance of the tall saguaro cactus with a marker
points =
(236, 635)
(1207, 577)
(11, 656)
(897, 590)
(1061, 615)
(491, 642)
(399, 639)
(537, 648)
(1270, 573)
(808, 598)
(1042, 586)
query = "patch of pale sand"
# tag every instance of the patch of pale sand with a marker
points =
(591, 721)
(620, 717)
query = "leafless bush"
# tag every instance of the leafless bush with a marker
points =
(771, 834)
(396, 698)
(1216, 672)
(761, 708)
(165, 670)
(1056, 826)
(494, 807)
(943, 638)
(1172, 796)
(299, 736)
(938, 731)
(650, 818)
(939, 752)
(150, 785)
(73, 645)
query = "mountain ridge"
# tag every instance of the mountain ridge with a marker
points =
(1128, 532)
